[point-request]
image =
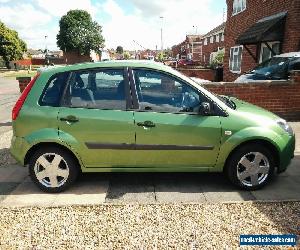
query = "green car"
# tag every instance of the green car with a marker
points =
(141, 116)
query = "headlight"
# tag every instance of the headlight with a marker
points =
(285, 126)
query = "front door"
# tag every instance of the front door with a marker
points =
(170, 132)
(95, 120)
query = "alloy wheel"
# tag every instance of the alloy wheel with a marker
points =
(253, 169)
(51, 170)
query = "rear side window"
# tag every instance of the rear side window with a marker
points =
(54, 89)
(99, 89)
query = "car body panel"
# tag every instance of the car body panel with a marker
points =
(95, 130)
(254, 123)
(178, 140)
(224, 133)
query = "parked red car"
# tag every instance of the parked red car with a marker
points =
(184, 62)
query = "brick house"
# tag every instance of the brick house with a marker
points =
(176, 49)
(145, 54)
(190, 48)
(194, 47)
(258, 29)
(212, 42)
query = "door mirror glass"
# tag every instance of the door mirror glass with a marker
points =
(205, 108)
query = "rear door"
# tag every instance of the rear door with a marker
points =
(170, 132)
(95, 119)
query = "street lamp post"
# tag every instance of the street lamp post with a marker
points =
(196, 27)
(46, 45)
(161, 34)
(46, 50)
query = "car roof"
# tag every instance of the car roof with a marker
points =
(109, 64)
(290, 54)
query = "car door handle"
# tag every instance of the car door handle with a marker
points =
(69, 118)
(147, 124)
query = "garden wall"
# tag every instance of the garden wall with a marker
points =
(206, 74)
(280, 97)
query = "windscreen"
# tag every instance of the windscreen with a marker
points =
(275, 66)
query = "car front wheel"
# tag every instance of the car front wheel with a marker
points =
(53, 169)
(250, 167)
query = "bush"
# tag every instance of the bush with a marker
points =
(219, 59)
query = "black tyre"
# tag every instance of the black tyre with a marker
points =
(250, 167)
(53, 169)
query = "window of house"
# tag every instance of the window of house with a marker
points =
(159, 92)
(217, 38)
(211, 57)
(211, 39)
(266, 53)
(222, 37)
(200, 49)
(235, 60)
(238, 6)
(100, 89)
(205, 41)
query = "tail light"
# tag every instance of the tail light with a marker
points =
(22, 98)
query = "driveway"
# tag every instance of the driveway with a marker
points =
(16, 189)
(9, 93)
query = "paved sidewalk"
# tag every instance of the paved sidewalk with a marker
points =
(16, 189)
(296, 128)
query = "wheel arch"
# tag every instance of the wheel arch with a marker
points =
(39, 145)
(270, 146)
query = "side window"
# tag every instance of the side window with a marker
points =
(159, 92)
(235, 61)
(54, 89)
(100, 89)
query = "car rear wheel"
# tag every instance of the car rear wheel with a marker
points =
(53, 169)
(250, 166)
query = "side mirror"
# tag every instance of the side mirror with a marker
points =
(205, 108)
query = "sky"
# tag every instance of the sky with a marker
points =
(122, 21)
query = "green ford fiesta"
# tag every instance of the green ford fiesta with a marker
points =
(141, 116)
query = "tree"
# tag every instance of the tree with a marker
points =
(160, 56)
(119, 50)
(79, 33)
(168, 53)
(126, 55)
(11, 46)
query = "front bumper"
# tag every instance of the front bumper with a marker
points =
(287, 154)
